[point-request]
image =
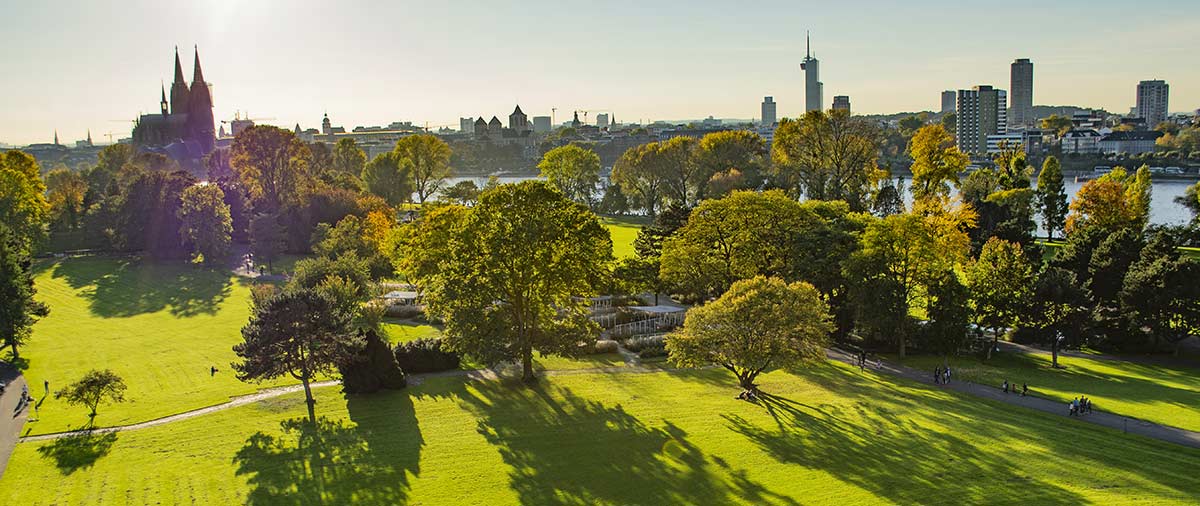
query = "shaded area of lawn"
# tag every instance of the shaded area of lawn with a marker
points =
(824, 435)
(1168, 395)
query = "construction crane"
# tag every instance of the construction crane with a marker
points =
(586, 111)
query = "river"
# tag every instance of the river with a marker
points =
(1163, 209)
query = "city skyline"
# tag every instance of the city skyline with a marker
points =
(90, 67)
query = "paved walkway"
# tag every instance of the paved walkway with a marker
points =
(10, 423)
(1135, 359)
(1112, 420)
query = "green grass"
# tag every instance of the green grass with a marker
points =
(624, 230)
(402, 331)
(1050, 247)
(1161, 394)
(160, 327)
(830, 436)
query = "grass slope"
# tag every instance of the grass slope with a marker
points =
(160, 327)
(1161, 394)
(624, 230)
(830, 436)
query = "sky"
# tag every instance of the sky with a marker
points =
(75, 65)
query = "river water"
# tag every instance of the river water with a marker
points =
(1163, 209)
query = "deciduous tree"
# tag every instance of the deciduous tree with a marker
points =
(23, 206)
(574, 171)
(206, 222)
(758, 324)
(348, 158)
(512, 274)
(936, 162)
(1113, 201)
(1000, 281)
(94, 388)
(828, 156)
(386, 177)
(428, 160)
(272, 165)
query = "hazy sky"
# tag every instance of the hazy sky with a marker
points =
(75, 65)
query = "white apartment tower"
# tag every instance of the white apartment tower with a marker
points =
(813, 88)
(1152, 102)
(768, 111)
(982, 111)
(1021, 85)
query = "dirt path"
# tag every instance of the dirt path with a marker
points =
(1112, 420)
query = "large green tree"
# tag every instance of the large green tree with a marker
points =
(387, 178)
(1057, 309)
(94, 387)
(906, 253)
(1000, 281)
(936, 162)
(514, 272)
(730, 160)
(949, 313)
(1162, 294)
(639, 178)
(1052, 196)
(18, 308)
(428, 160)
(828, 156)
(575, 171)
(758, 324)
(299, 333)
(1113, 201)
(207, 225)
(23, 206)
(272, 165)
(348, 158)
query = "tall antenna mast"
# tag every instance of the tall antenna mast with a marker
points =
(807, 44)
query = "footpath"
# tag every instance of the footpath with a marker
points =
(1112, 420)
(11, 421)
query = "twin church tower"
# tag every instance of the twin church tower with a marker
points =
(184, 129)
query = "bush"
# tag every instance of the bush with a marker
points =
(652, 351)
(373, 369)
(605, 346)
(637, 344)
(402, 311)
(425, 355)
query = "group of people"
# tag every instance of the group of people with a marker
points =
(1007, 387)
(1079, 406)
(941, 375)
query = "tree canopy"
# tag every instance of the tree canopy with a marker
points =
(1052, 196)
(512, 273)
(1112, 201)
(206, 222)
(574, 171)
(828, 156)
(93, 388)
(272, 165)
(758, 324)
(23, 206)
(936, 162)
(427, 158)
(18, 308)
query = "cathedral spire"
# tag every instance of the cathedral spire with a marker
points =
(89, 139)
(197, 75)
(178, 67)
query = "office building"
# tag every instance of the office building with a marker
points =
(841, 103)
(982, 111)
(948, 98)
(602, 120)
(813, 88)
(1130, 143)
(768, 111)
(1152, 102)
(1021, 86)
(541, 124)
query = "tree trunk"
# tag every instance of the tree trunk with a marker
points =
(902, 343)
(527, 362)
(308, 399)
(16, 356)
(1054, 353)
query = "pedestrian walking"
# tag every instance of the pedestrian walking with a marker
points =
(937, 375)
(947, 374)
(1005, 386)
(46, 383)
(1024, 389)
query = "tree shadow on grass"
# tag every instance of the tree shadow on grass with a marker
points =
(72, 453)
(333, 462)
(128, 287)
(568, 450)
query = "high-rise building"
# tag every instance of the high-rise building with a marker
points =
(1152, 101)
(982, 111)
(541, 124)
(813, 88)
(1021, 86)
(466, 125)
(841, 103)
(602, 120)
(948, 98)
(768, 111)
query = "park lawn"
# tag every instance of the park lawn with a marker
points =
(829, 435)
(624, 231)
(159, 326)
(403, 331)
(1166, 395)
(1051, 247)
